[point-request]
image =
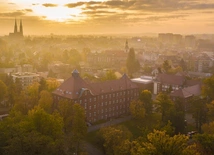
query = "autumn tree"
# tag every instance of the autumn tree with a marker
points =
(52, 84)
(146, 98)
(116, 140)
(35, 133)
(166, 66)
(45, 101)
(110, 75)
(137, 109)
(159, 143)
(205, 143)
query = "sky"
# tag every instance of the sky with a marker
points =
(71, 17)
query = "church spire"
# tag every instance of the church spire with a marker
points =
(15, 27)
(21, 28)
(126, 46)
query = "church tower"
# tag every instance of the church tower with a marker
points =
(21, 28)
(15, 27)
(126, 47)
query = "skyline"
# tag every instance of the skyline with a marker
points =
(71, 17)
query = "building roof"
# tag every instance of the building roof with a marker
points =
(187, 92)
(73, 86)
(170, 79)
(143, 80)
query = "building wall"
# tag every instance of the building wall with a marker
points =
(105, 106)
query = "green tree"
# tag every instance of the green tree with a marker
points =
(132, 63)
(137, 109)
(146, 98)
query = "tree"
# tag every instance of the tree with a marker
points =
(205, 143)
(199, 111)
(208, 128)
(3, 91)
(146, 98)
(132, 63)
(45, 101)
(35, 133)
(159, 143)
(137, 109)
(115, 139)
(110, 75)
(166, 66)
(208, 88)
(52, 84)
(165, 104)
(210, 113)
(79, 127)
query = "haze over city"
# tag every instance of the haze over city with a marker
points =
(108, 16)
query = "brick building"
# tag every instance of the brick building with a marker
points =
(102, 100)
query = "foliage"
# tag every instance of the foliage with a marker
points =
(208, 88)
(199, 111)
(165, 104)
(166, 66)
(137, 109)
(35, 133)
(210, 113)
(159, 143)
(205, 143)
(116, 140)
(3, 91)
(132, 63)
(110, 75)
(208, 128)
(146, 98)
(52, 84)
(45, 101)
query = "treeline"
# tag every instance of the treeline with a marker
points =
(36, 126)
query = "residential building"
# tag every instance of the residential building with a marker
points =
(170, 82)
(186, 94)
(25, 78)
(104, 100)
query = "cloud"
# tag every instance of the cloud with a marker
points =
(73, 5)
(50, 5)
(12, 14)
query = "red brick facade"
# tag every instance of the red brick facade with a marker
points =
(104, 100)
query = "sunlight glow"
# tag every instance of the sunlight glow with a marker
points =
(59, 13)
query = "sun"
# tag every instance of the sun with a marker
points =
(59, 13)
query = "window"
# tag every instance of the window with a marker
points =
(102, 104)
(94, 106)
(95, 99)
(89, 107)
